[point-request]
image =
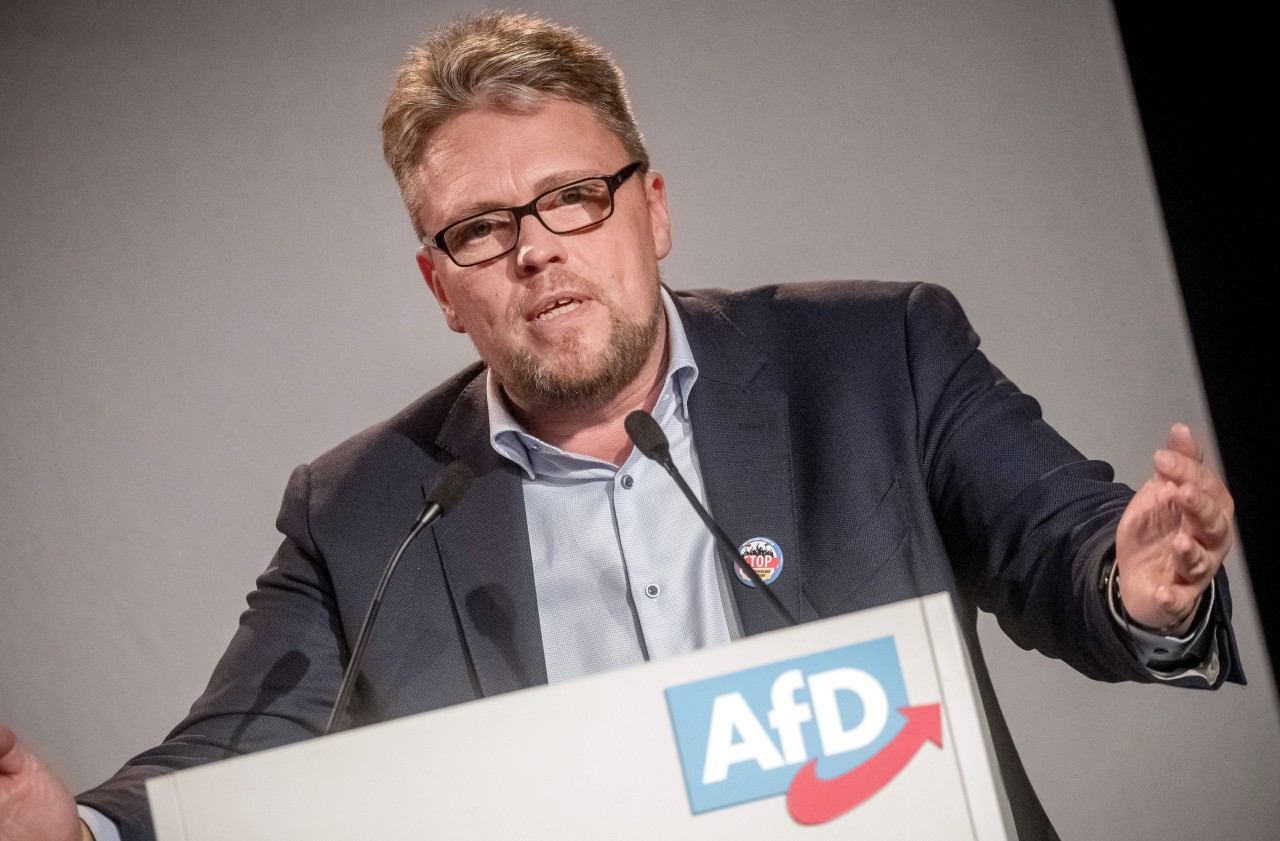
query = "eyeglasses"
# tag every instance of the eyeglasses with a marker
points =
(561, 210)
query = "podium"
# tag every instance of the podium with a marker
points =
(863, 726)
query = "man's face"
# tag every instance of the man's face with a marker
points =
(564, 321)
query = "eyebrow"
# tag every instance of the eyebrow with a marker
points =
(547, 182)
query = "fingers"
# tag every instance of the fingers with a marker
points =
(1196, 491)
(1182, 441)
(1177, 466)
(11, 753)
(1193, 563)
(1198, 508)
(1204, 513)
(33, 801)
(1176, 603)
(1174, 535)
(1185, 486)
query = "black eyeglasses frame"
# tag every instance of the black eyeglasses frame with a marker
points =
(613, 182)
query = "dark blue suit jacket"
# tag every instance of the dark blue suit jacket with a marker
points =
(856, 423)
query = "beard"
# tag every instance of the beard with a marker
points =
(566, 377)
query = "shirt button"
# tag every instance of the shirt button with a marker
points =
(627, 482)
(652, 591)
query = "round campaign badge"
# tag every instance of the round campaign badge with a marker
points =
(763, 554)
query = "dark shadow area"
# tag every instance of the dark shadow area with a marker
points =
(1205, 83)
(284, 675)
(492, 610)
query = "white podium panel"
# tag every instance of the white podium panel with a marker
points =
(713, 745)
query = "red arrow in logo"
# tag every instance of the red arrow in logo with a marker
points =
(812, 800)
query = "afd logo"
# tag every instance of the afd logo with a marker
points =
(829, 729)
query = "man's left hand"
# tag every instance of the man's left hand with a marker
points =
(1173, 537)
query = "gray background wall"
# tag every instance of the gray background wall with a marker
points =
(207, 279)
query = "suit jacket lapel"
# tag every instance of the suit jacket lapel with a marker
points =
(743, 439)
(484, 547)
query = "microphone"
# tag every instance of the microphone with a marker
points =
(652, 443)
(448, 489)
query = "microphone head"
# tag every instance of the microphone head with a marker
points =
(648, 437)
(450, 486)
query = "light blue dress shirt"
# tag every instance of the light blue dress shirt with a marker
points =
(624, 569)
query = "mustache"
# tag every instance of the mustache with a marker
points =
(556, 280)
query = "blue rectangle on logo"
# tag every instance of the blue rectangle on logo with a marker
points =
(743, 736)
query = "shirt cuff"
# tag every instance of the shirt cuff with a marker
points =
(1166, 658)
(102, 827)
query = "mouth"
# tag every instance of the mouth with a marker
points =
(556, 307)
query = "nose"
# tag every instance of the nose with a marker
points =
(537, 247)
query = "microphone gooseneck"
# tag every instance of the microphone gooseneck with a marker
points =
(440, 499)
(652, 443)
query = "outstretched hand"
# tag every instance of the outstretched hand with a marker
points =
(1173, 537)
(34, 805)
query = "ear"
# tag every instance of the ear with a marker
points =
(426, 265)
(655, 192)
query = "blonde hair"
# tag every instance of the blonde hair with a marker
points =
(503, 61)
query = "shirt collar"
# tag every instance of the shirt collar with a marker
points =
(511, 441)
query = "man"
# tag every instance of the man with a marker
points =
(896, 460)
